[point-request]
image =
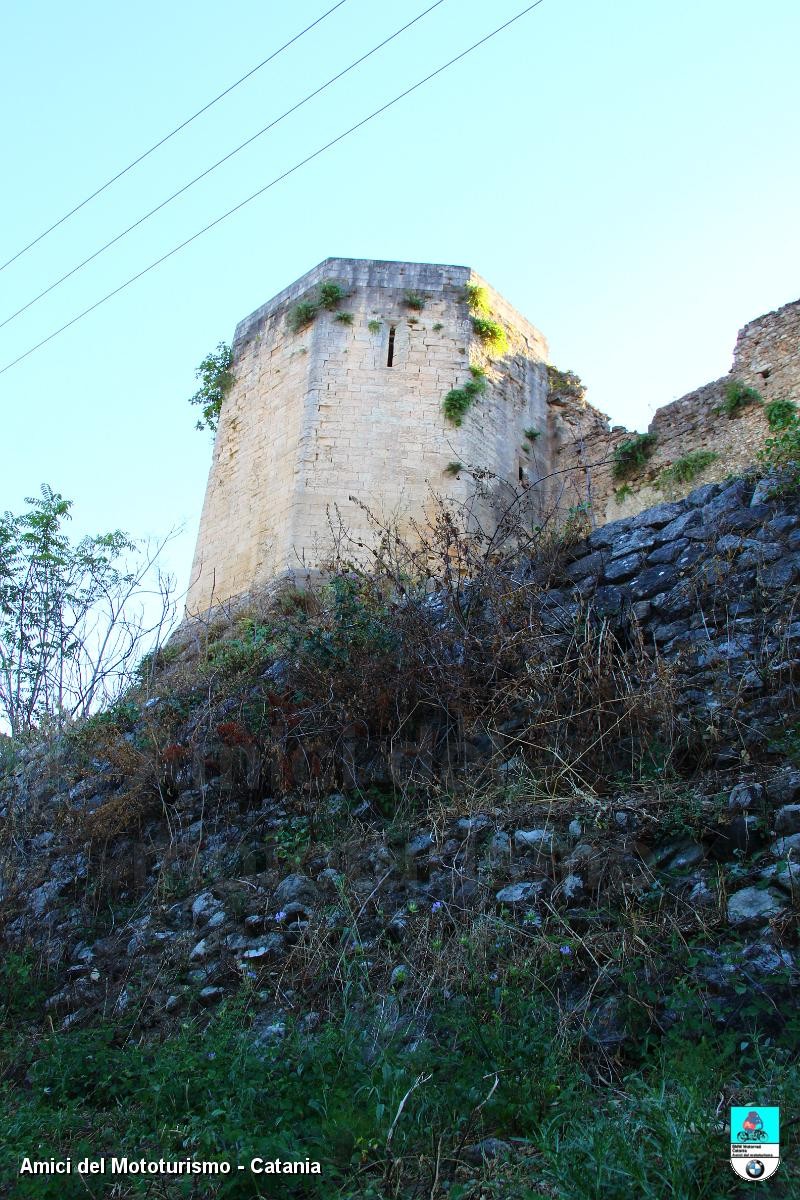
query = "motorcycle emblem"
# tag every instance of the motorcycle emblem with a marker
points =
(755, 1141)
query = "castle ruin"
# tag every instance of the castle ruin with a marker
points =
(337, 412)
(337, 407)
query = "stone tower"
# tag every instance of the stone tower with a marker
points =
(346, 401)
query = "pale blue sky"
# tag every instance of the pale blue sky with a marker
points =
(626, 173)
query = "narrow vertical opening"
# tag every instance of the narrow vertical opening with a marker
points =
(390, 355)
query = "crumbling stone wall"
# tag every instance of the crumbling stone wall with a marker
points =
(766, 357)
(318, 420)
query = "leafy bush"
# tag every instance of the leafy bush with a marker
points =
(330, 294)
(329, 297)
(532, 434)
(374, 326)
(632, 454)
(491, 333)
(346, 318)
(737, 396)
(414, 300)
(477, 299)
(686, 468)
(781, 452)
(780, 414)
(437, 326)
(453, 468)
(621, 493)
(458, 400)
(216, 375)
(302, 315)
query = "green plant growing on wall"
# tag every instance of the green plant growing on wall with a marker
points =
(737, 396)
(458, 400)
(632, 454)
(330, 294)
(781, 452)
(532, 434)
(453, 468)
(374, 326)
(686, 468)
(216, 375)
(302, 315)
(346, 318)
(438, 327)
(491, 333)
(477, 299)
(414, 300)
(621, 493)
(780, 414)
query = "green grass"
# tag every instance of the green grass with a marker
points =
(686, 468)
(213, 1092)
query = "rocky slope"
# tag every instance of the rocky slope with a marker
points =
(583, 765)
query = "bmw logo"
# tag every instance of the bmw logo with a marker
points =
(755, 1168)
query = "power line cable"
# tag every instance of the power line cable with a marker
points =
(208, 171)
(278, 179)
(167, 136)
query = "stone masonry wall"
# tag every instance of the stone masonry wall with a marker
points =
(318, 419)
(767, 358)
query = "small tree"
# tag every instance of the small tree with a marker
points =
(74, 618)
(216, 376)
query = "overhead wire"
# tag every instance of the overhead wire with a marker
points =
(157, 145)
(272, 183)
(311, 95)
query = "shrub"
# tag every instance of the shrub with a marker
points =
(455, 405)
(216, 378)
(438, 326)
(532, 434)
(686, 468)
(631, 455)
(458, 400)
(374, 326)
(780, 414)
(453, 468)
(621, 493)
(491, 333)
(346, 318)
(477, 299)
(414, 300)
(302, 315)
(781, 452)
(737, 396)
(330, 294)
